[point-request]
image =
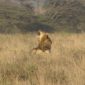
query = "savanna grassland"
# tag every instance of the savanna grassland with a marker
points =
(64, 20)
(63, 66)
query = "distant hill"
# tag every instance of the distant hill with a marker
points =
(14, 17)
(61, 15)
(68, 15)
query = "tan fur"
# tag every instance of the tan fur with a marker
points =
(44, 42)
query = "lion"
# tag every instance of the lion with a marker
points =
(44, 42)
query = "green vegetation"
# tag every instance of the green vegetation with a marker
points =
(66, 15)
(12, 17)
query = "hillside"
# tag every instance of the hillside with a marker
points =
(60, 15)
(68, 15)
(15, 18)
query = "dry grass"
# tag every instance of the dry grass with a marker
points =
(65, 65)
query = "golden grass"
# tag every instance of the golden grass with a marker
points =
(65, 65)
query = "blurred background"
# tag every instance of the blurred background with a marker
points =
(52, 15)
(64, 20)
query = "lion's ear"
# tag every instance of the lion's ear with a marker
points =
(39, 32)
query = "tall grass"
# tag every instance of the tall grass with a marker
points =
(65, 65)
